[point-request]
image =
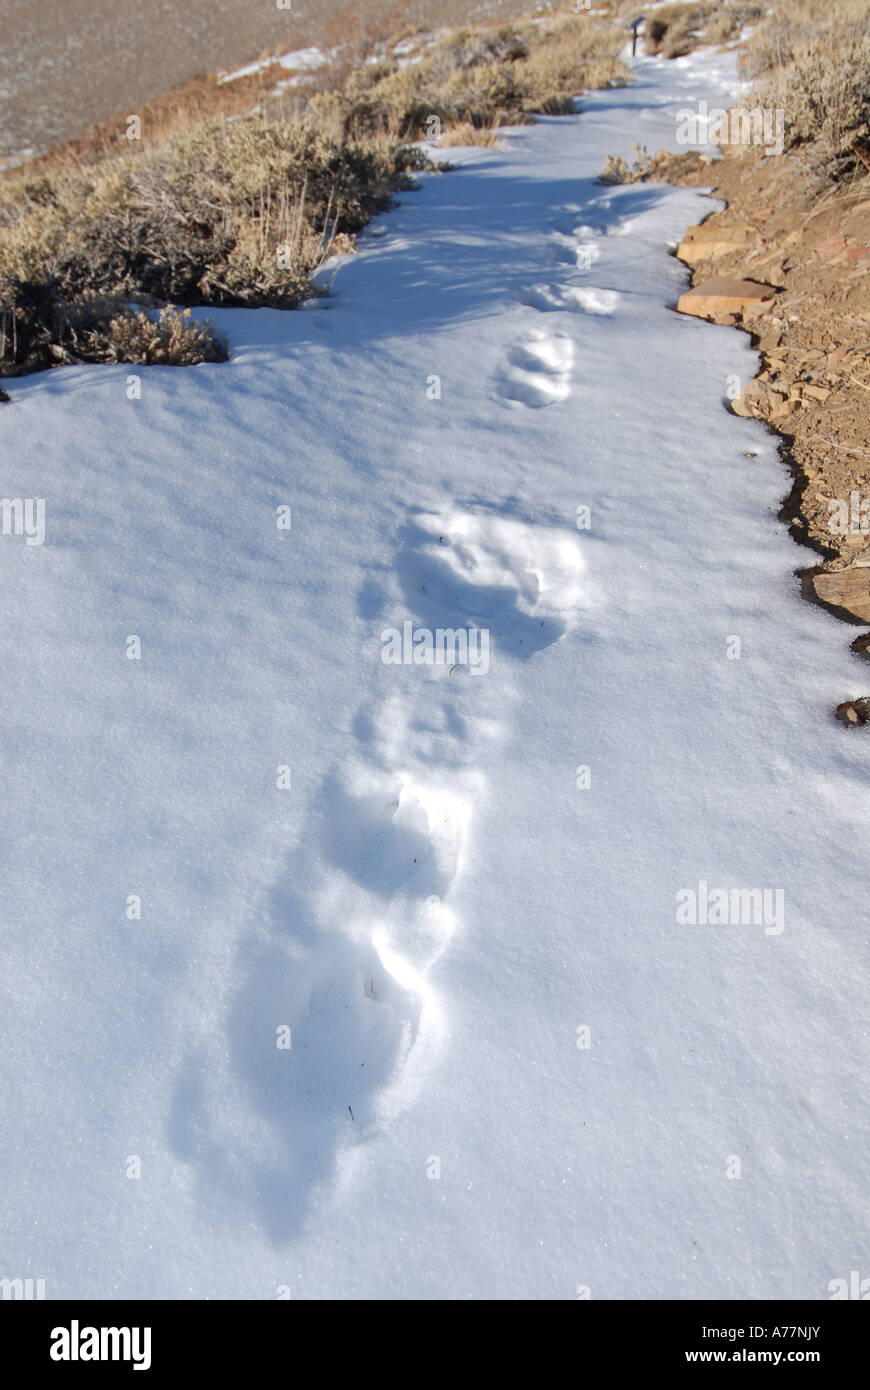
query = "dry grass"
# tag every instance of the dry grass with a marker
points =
(41, 330)
(465, 134)
(228, 213)
(243, 211)
(809, 59)
(675, 30)
(812, 61)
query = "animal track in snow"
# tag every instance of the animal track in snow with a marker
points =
(569, 250)
(395, 835)
(342, 949)
(593, 220)
(543, 354)
(395, 732)
(575, 299)
(265, 1123)
(529, 574)
(539, 370)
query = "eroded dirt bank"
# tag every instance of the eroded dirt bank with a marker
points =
(810, 244)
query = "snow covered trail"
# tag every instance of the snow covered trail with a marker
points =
(512, 1071)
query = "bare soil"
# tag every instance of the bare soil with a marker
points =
(811, 241)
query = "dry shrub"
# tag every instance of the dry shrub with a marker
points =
(229, 213)
(663, 167)
(824, 93)
(38, 329)
(467, 134)
(812, 62)
(615, 169)
(675, 30)
(569, 55)
(480, 76)
(243, 211)
(173, 338)
(234, 212)
(790, 25)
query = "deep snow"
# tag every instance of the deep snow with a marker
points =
(434, 907)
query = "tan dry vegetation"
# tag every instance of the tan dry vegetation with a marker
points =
(465, 134)
(480, 77)
(674, 30)
(242, 211)
(222, 213)
(812, 62)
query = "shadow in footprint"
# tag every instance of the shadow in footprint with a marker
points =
(268, 1129)
(384, 842)
(440, 597)
(535, 391)
(371, 599)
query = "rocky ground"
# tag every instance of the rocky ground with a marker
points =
(788, 260)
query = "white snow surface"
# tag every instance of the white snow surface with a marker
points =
(433, 906)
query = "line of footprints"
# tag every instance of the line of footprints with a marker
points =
(339, 955)
(538, 369)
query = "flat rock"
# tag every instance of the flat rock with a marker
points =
(702, 242)
(846, 592)
(722, 295)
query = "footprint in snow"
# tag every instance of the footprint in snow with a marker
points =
(538, 371)
(331, 1022)
(576, 299)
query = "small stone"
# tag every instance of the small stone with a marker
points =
(722, 295)
(854, 712)
(751, 402)
(705, 241)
